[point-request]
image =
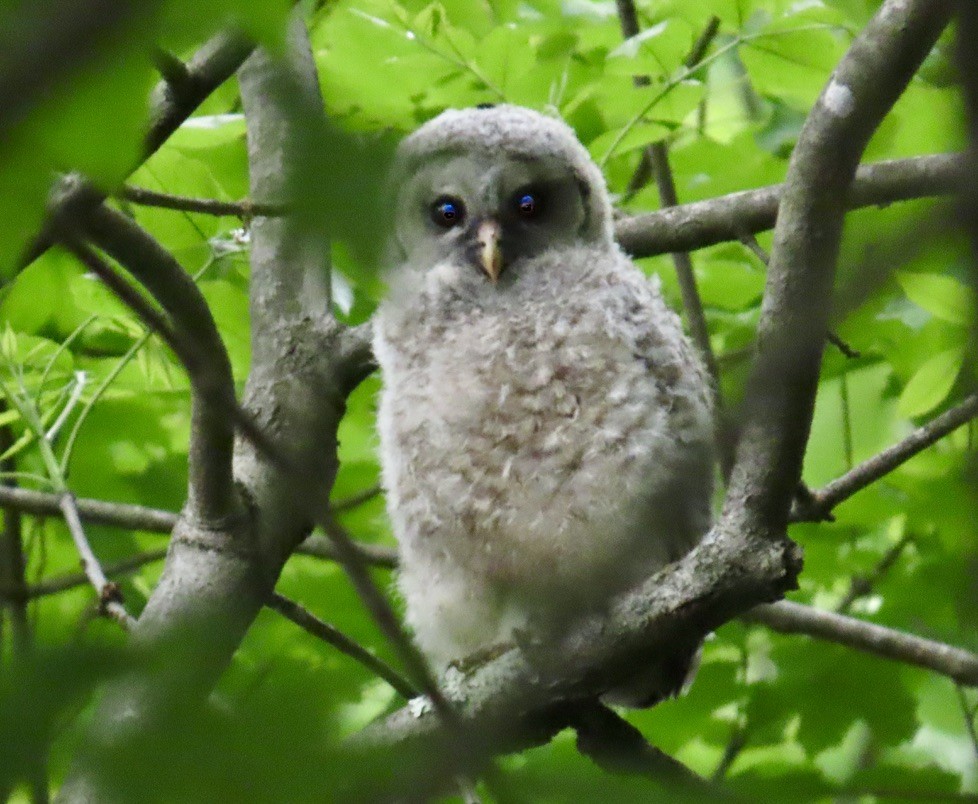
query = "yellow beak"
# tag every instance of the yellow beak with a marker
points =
(490, 255)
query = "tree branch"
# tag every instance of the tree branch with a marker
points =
(730, 217)
(62, 583)
(787, 617)
(170, 106)
(798, 292)
(332, 636)
(820, 506)
(109, 596)
(97, 512)
(215, 581)
(616, 746)
(154, 520)
(285, 257)
(861, 585)
(246, 209)
(194, 337)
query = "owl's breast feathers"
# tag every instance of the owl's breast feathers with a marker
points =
(559, 438)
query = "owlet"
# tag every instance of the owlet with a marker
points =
(545, 426)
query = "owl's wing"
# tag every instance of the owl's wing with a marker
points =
(654, 335)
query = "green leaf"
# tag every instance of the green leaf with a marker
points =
(940, 295)
(931, 384)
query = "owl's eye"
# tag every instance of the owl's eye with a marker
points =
(528, 204)
(447, 211)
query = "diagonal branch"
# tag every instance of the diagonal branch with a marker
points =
(170, 105)
(731, 217)
(109, 597)
(331, 635)
(616, 746)
(822, 502)
(189, 329)
(798, 293)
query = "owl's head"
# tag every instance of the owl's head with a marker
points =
(488, 188)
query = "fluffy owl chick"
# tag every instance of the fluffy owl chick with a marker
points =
(545, 426)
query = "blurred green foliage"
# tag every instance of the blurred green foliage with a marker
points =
(814, 720)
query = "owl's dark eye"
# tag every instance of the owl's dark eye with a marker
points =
(528, 204)
(447, 211)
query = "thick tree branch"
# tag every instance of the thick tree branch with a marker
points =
(821, 503)
(299, 287)
(730, 217)
(170, 105)
(793, 618)
(215, 581)
(798, 293)
(193, 335)
(616, 746)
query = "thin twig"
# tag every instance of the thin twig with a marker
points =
(846, 419)
(110, 599)
(755, 248)
(97, 512)
(825, 499)
(862, 585)
(382, 613)
(375, 555)
(968, 713)
(155, 520)
(356, 500)
(245, 209)
(843, 347)
(736, 744)
(758, 250)
(330, 634)
(63, 583)
(109, 595)
(692, 303)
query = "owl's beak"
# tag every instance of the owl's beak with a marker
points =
(490, 253)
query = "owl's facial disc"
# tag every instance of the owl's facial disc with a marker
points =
(490, 214)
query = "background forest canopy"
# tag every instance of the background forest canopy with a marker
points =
(145, 180)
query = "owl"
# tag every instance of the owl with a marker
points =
(545, 426)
